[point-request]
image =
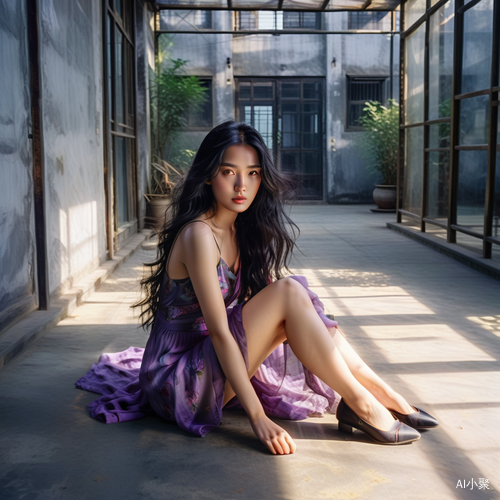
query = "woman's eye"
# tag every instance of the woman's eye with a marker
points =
(256, 171)
(227, 170)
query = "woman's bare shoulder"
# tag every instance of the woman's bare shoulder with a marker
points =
(196, 237)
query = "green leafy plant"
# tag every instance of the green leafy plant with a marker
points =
(172, 93)
(379, 144)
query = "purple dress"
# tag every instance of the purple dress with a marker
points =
(179, 377)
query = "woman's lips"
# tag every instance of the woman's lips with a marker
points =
(239, 200)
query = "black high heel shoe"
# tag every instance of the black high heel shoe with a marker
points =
(399, 433)
(419, 419)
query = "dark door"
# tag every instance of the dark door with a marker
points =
(289, 115)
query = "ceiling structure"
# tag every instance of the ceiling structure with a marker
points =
(291, 5)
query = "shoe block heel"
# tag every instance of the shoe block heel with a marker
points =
(346, 428)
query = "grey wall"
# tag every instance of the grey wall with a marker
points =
(362, 55)
(345, 175)
(17, 250)
(71, 45)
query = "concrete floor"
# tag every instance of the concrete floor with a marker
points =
(427, 324)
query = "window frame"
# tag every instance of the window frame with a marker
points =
(381, 79)
(195, 128)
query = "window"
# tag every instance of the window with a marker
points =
(269, 20)
(172, 20)
(120, 92)
(375, 20)
(309, 20)
(360, 90)
(202, 19)
(202, 117)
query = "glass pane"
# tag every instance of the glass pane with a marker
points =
(439, 135)
(129, 83)
(496, 207)
(122, 179)
(412, 189)
(290, 90)
(246, 113)
(472, 168)
(310, 141)
(245, 89)
(478, 25)
(310, 107)
(119, 7)
(438, 184)
(474, 121)
(414, 10)
(311, 175)
(290, 125)
(312, 90)
(310, 123)
(263, 90)
(414, 84)
(498, 131)
(290, 162)
(119, 75)
(110, 72)
(202, 117)
(441, 61)
(470, 243)
(263, 122)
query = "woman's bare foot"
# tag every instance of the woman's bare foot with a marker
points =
(373, 412)
(392, 400)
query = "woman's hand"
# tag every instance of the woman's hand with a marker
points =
(272, 435)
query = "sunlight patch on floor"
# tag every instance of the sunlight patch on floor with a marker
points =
(490, 323)
(430, 342)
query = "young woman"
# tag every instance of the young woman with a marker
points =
(224, 318)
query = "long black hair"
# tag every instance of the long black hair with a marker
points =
(264, 243)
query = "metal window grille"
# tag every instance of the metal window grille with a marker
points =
(376, 20)
(269, 20)
(359, 91)
(202, 19)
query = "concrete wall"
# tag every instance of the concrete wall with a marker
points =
(17, 249)
(144, 40)
(363, 55)
(345, 177)
(71, 61)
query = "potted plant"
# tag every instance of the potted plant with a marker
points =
(172, 93)
(379, 146)
(161, 185)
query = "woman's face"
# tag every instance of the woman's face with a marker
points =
(239, 175)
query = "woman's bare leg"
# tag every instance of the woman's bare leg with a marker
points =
(367, 377)
(286, 303)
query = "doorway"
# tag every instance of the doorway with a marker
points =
(288, 113)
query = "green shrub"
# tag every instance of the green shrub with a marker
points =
(379, 144)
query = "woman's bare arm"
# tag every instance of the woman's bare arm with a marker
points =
(200, 257)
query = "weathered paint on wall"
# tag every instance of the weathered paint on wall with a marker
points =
(71, 81)
(17, 251)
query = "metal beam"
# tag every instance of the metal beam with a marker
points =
(402, 131)
(279, 32)
(163, 6)
(456, 89)
(489, 208)
(38, 158)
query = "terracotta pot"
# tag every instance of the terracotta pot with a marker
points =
(384, 196)
(155, 212)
